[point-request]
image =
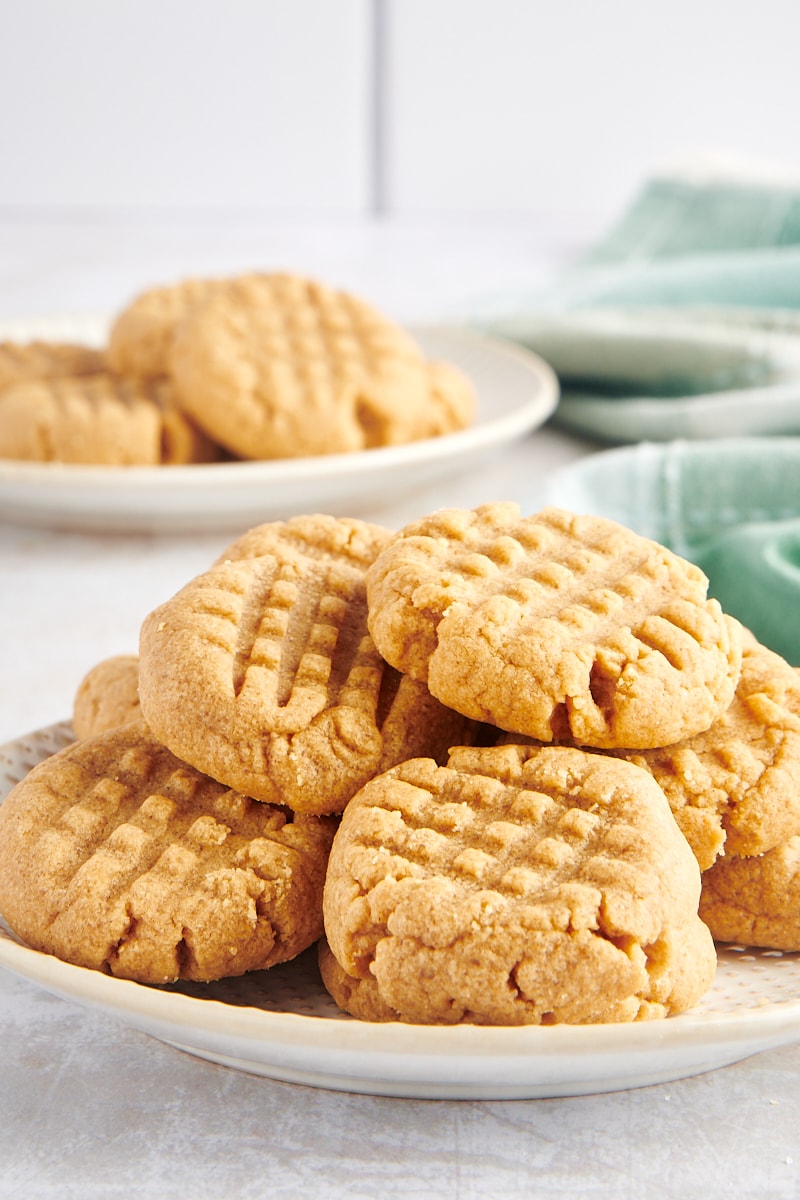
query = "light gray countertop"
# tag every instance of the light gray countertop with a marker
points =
(92, 1108)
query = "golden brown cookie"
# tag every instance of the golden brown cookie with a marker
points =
(107, 696)
(516, 885)
(360, 997)
(114, 855)
(452, 402)
(279, 366)
(24, 362)
(261, 671)
(140, 338)
(736, 785)
(100, 418)
(182, 441)
(755, 901)
(554, 626)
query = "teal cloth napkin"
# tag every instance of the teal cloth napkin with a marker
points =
(680, 331)
(684, 320)
(731, 506)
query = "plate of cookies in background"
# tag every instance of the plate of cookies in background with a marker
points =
(213, 404)
(495, 806)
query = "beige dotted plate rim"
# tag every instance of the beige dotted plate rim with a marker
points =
(517, 392)
(753, 1006)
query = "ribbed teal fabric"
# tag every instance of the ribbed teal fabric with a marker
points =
(695, 293)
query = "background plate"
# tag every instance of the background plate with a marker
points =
(757, 410)
(282, 1024)
(517, 392)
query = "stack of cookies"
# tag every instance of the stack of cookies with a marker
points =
(252, 367)
(505, 770)
(63, 403)
(193, 843)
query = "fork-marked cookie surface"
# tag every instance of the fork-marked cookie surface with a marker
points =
(261, 672)
(115, 855)
(554, 626)
(516, 885)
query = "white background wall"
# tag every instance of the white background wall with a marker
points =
(207, 103)
(476, 109)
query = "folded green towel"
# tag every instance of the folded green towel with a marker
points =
(706, 206)
(684, 323)
(695, 293)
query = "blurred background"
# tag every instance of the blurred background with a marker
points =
(439, 157)
(169, 136)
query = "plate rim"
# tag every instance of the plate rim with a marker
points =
(426, 1060)
(66, 977)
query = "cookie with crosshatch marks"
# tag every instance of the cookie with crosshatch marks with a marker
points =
(733, 789)
(261, 671)
(115, 855)
(755, 901)
(24, 362)
(554, 626)
(277, 365)
(99, 418)
(107, 696)
(516, 885)
(140, 337)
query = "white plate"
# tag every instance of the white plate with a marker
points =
(658, 373)
(281, 1023)
(516, 390)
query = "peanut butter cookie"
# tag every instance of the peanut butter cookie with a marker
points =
(140, 338)
(516, 885)
(736, 785)
(115, 855)
(280, 366)
(262, 674)
(554, 626)
(755, 901)
(100, 418)
(24, 362)
(107, 696)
